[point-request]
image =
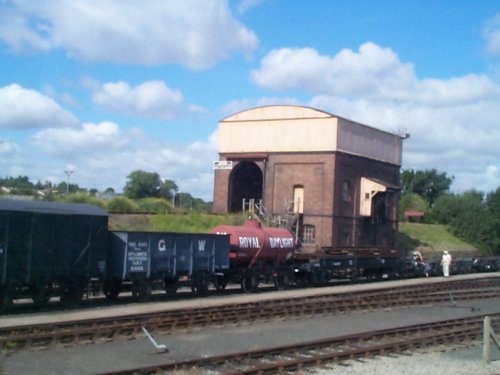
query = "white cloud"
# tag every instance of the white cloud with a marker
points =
(102, 155)
(22, 108)
(69, 142)
(195, 33)
(453, 122)
(151, 98)
(373, 73)
(8, 148)
(11, 157)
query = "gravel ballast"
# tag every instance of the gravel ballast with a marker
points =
(455, 362)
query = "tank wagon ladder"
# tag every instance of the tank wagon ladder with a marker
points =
(289, 220)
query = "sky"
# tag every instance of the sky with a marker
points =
(91, 91)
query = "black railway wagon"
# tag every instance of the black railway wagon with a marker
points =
(144, 261)
(361, 263)
(50, 249)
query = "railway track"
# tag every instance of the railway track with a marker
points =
(116, 328)
(333, 350)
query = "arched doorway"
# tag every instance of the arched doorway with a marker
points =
(245, 182)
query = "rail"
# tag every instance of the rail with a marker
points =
(125, 327)
(332, 350)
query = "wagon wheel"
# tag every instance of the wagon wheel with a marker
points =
(171, 285)
(40, 293)
(72, 293)
(5, 298)
(112, 289)
(250, 283)
(145, 292)
(220, 283)
(200, 283)
(282, 282)
(303, 279)
(141, 289)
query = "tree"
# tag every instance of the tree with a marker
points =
(63, 188)
(19, 185)
(141, 184)
(493, 208)
(445, 209)
(468, 222)
(469, 218)
(429, 183)
(493, 203)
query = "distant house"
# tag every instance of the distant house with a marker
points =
(415, 216)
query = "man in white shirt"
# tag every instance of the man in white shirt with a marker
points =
(446, 263)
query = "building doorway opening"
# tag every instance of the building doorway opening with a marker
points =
(298, 199)
(245, 182)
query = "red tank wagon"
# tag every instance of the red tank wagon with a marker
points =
(258, 253)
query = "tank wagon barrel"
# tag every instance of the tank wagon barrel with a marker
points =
(258, 253)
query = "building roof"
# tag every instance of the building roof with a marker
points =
(292, 128)
(54, 208)
(277, 112)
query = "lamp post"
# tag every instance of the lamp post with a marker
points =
(180, 194)
(68, 174)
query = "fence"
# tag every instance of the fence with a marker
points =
(488, 334)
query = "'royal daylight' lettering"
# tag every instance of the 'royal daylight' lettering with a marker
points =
(249, 242)
(280, 242)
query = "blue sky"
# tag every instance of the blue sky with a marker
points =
(105, 88)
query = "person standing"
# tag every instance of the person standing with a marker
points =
(420, 264)
(446, 263)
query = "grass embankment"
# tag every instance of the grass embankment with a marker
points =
(432, 240)
(179, 223)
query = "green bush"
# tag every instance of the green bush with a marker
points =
(154, 205)
(83, 198)
(122, 204)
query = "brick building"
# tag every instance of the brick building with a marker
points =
(337, 178)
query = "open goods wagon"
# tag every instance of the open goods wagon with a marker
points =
(144, 261)
(50, 249)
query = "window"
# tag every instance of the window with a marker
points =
(309, 237)
(346, 191)
(298, 199)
